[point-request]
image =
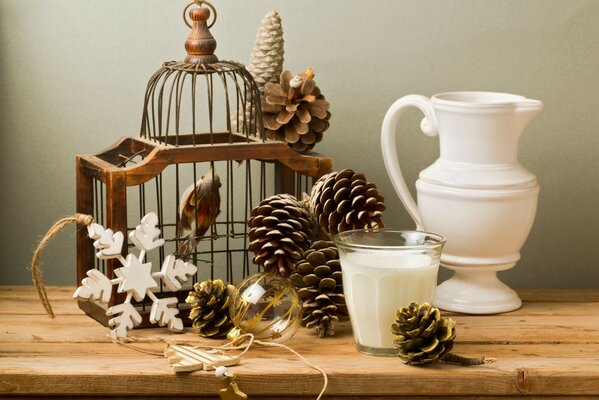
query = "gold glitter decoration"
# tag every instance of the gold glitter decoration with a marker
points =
(267, 306)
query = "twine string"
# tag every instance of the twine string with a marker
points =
(251, 340)
(243, 342)
(311, 365)
(36, 269)
(128, 343)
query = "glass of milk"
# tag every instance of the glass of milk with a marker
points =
(383, 270)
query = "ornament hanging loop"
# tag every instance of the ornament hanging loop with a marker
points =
(199, 4)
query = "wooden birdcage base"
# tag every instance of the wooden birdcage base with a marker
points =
(113, 169)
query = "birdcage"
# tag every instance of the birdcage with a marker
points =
(201, 117)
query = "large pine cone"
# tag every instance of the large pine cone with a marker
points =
(281, 229)
(210, 301)
(422, 335)
(294, 111)
(318, 277)
(345, 200)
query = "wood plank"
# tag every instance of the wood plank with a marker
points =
(277, 376)
(24, 300)
(567, 295)
(388, 397)
(19, 306)
(342, 350)
(378, 376)
(547, 308)
(527, 329)
(28, 292)
(528, 295)
(500, 329)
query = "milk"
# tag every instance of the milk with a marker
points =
(376, 283)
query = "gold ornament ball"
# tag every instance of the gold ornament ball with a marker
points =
(267, 306)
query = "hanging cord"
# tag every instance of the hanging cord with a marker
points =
(246, 340)
(245, 347)
(316, 367)
(128, 343)
(36, 269)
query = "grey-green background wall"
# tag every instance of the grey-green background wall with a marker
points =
(73, 75)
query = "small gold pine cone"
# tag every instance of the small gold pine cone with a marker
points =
(345, 200)
(281, 229)
(318, 277)
(210, 301)
(295, 111)
(422, 335)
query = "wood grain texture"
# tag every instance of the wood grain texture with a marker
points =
(157, 156)
(550, 347)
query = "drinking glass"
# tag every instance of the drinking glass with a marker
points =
(383, 270)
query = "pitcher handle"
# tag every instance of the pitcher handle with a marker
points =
(428, 127)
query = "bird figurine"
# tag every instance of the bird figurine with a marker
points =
(199, 207)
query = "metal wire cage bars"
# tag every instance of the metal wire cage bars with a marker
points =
(220, 101)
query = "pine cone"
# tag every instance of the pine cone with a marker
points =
(266, 60)
(281, 229)
(318, 277)
(266, 64)
(422, 335)
(294, 111)
(210, 301)
(344, 200)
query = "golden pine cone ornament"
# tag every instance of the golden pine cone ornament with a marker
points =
(318, 277)
(210, 301)
(281, 229)
(423, 336)
(345, 200)
(295, 111)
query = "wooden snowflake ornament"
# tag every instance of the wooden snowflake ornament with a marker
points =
(187, 358)
(135, 277)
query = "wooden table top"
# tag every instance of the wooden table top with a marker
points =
(548, 347)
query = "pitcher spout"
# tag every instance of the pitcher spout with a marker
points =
(527, 109)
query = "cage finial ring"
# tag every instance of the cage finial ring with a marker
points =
(199, 4)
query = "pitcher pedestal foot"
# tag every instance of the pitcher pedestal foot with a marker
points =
(476, 290)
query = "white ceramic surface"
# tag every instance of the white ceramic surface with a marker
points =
(476, 194)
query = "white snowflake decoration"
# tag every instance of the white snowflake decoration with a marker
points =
(134, 277)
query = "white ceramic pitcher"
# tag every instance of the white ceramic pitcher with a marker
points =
(476, 194)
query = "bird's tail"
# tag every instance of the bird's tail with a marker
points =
(186, 248)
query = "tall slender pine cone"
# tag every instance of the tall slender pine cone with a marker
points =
(422, 335)
(281, 229)
(295, 111)
(318, 277)
(266, 63)
(210, 301)
(266, 60)
(345, 200)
